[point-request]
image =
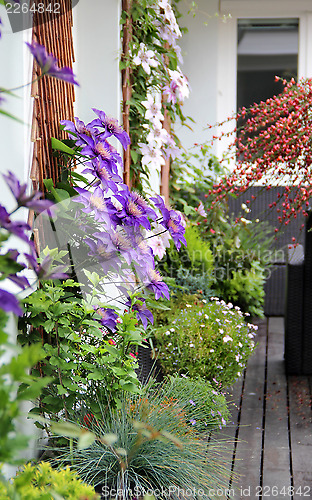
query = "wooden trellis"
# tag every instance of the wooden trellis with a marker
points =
(126, 96)
(126, 84)
(53, 99)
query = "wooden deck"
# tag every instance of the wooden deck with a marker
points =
(271, 425)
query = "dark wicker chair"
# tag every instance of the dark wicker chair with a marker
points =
(298, 310)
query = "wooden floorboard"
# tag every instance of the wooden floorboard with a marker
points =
(229, 434)
(301, 434)
(276, 458)
(249, 446)
(272, 420)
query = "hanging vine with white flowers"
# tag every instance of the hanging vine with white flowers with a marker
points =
(154, 87)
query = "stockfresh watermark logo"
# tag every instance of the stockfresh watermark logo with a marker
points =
(25, 14)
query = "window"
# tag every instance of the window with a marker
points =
(265, 48)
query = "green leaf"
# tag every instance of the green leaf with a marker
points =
(93, 277)
(9, 115)
(60, 146)
(61, 390)
(134, 156)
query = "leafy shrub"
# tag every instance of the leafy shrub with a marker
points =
(241, 250)
(198, 250)
(82, 354)
(16, 386)
(41, 482)
(149, 444)
(167, 310)
(192, 283)
(206, 340)
(192, 268)
(246, 287)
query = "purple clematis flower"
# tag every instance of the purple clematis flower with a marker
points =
(17, 228)
(95, 202)
(108, 318)
(142, 313)
(31, 201)
(175, 228)
(96, 148)
(78, 130)
(104, 175)
(160, 204)
(111, 127)
(133, 212)
(49, 64)
(9, 303)
(153, 281)
(171, 221)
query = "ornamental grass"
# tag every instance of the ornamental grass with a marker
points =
(157, 448)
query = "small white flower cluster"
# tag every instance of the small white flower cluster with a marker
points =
(157, 137)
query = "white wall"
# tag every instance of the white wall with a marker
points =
(97, 49)
(199, 49)
(15, 64)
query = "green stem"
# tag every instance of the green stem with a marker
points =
(6, 91)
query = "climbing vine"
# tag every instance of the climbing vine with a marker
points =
(153, 84)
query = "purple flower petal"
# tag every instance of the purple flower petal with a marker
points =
(108, 318)
(31, 201)
(9, 303)
(111, 127)
(49, 64)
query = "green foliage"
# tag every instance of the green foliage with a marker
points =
(241, 250)
(240, 247)
(246, 288)
(178, 300)
(191, 267)
(193, 174)
(41, 482)
(16, 385)
(211, 341)
(157, 446)
(198, 250)
(193, 283)
(83, 357)
(145, 20)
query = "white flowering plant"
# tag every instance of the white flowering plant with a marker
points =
(211, 340)
(158, 85)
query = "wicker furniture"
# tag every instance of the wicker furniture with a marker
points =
(298, 310)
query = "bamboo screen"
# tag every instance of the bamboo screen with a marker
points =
(53, 99)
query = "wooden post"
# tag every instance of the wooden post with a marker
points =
(126, 84)
(165, 169)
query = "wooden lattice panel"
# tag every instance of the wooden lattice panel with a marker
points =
(53, 99)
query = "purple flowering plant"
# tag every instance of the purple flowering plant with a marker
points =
(101, 230)
(116, 221)
(12, 261)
